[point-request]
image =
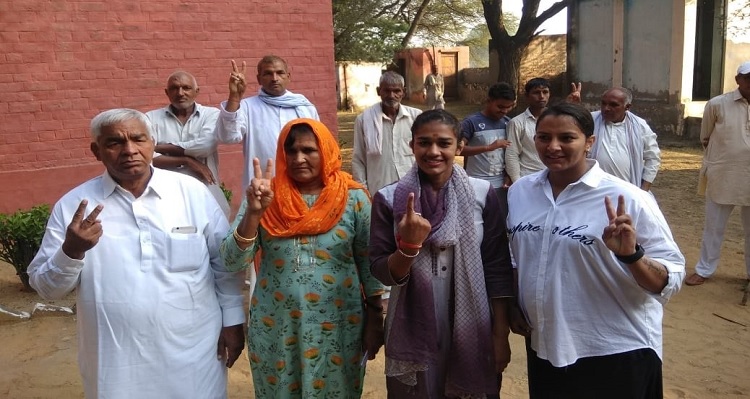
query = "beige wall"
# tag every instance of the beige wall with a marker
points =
(357, 84)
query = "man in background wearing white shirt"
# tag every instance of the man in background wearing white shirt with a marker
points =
(725, 135)
(521, 158)
(382, 133)
(256, 121)
(140, 245)
(625, 145)
(184, 134)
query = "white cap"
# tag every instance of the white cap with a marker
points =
(744, 68)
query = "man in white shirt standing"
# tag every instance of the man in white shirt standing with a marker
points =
(184, 134)
(140, 245)
(521, 158)
(256, 121)
(625, 145)
(382, 133)
(433, 89)
(725, 135)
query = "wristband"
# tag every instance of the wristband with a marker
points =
(407, 245)
(630, 259)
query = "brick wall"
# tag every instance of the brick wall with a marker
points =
(64, 61)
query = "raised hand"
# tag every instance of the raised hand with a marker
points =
(82, 233)
(413, 228)
(258, 193)
(237, 82)
(575, 93)
(619, 235)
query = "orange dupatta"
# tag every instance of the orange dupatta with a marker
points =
(288, 215)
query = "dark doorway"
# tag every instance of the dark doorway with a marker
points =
(709, 48)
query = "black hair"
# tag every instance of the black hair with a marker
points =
(534, 83)
(437, 115)
(581, 117)
(502, 91)
(296, 130)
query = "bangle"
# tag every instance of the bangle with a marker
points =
(407, 245)
(407, 255)
(630, 259)
(242, 240)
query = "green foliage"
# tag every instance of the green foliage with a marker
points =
(446, 22)
(227, 192)
(21, 236)
(363, 30)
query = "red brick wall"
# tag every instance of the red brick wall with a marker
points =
(64, 61)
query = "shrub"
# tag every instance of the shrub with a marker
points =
(21, 236)
(227, 192)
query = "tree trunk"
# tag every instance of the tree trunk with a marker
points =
(509, 62)
(414, 23)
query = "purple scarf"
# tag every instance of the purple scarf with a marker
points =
(412, 338)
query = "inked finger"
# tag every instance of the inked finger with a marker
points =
(78, 215)
(410, 204)
(234, 67)
(269, 169)
(244, 66)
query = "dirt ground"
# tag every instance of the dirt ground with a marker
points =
(706, 336)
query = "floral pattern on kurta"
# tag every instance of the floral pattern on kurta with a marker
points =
(306, 314)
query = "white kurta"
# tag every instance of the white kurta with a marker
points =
(259, 125)
(197, 137)
(396, 157)
(521, 158)
(630, 158)
(151, 300)
(726, 123)
(579, 299)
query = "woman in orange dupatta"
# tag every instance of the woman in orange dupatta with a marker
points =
(315, 314)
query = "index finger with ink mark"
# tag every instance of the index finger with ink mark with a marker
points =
(78, 215)
(410, 204)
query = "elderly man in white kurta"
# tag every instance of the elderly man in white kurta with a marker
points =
(184, 134)
(382, 133)
(256, 121)
(725, 134)
(625, 145)
(158, 314)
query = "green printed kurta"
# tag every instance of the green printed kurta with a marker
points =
(306, 314)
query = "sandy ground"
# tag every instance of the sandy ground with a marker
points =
(706, 336)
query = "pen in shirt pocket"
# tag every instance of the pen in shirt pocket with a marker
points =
(185, 230)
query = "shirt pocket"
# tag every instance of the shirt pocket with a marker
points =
(187, 252)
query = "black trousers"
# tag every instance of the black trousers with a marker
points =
(628, 375)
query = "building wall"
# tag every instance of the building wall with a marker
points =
(545, 57)
(635, 44)
(414, 65)
(64, 61)
(358, 84)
